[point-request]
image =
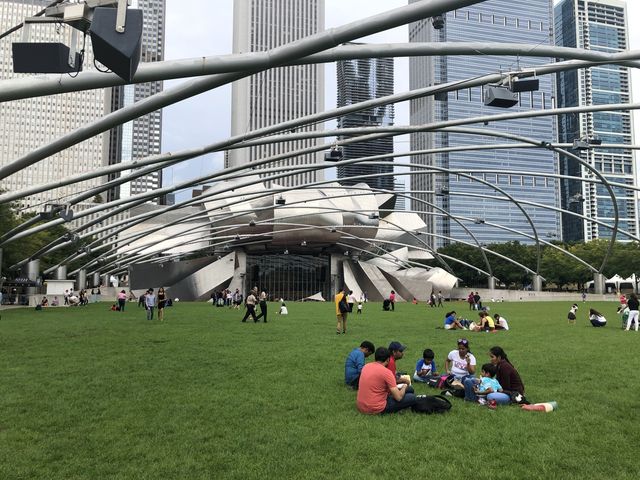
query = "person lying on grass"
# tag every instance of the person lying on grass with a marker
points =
(378, 391)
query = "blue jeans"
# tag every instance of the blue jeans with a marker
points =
(150, 313)
(470, 395)
(394, 406)
(469, 383)
(500, 398)
(424, 379)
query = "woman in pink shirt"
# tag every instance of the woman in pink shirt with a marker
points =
(122, 300)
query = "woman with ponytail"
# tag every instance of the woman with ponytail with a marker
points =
(507, 375)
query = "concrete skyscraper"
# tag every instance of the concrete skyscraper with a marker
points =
(515, 21)
(360, 80)
(281, 94)
(596, 25)
(34, 122)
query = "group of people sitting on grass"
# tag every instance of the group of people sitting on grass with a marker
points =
(382, 389)
(485, 323)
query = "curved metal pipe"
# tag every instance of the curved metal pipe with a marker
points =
(41, 85)
(275, 57)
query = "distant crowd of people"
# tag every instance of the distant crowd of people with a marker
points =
(227, 298)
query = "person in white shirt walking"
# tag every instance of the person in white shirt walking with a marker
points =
(150, 303)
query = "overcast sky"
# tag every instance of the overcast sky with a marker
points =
(204, 27)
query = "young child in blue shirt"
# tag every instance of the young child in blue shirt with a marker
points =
(425, 367)
(488, 383)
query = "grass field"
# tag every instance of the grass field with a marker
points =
(87, 393)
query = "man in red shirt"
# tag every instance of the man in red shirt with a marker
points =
(378, 392)
(396, 352)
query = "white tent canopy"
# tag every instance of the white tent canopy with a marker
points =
(617, 283)
(315, 298)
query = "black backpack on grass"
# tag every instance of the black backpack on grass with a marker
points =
(431, 404)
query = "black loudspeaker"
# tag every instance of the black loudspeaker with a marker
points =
(498, 96)
(120, 52)
(43, 58)
(525, 85)
(334, 155)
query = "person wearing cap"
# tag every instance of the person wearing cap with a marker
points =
(355, 363)
(461, 363)
(378, 392)
(396, 350)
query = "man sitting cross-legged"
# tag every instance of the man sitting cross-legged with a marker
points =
(378, 392)
(396, 352)
(355, 363)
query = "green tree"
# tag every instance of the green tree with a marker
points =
(468, 254)
(560, 269)
(507, 272)
(16, 251)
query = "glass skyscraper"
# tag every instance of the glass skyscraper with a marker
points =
(360, 80)
(512, 21)
(602, 26)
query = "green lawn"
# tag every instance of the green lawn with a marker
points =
(87, 393)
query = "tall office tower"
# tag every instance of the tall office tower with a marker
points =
(277, 95)
(141, 137)
(596, 25)
(34, 122)
(447, 196)
(358, 81)
(31, 123)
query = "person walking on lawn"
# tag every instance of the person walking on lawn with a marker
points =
(150, 303)
(250, 304)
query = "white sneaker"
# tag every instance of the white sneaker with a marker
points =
(482, 401)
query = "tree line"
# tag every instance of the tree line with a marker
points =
(14, 252)
(559, 270)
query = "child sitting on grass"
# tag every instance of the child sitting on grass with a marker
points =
(488, 383)
(425, 367)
